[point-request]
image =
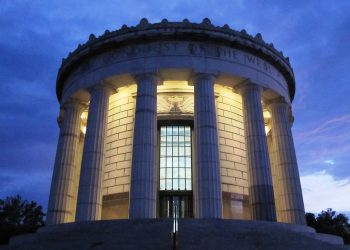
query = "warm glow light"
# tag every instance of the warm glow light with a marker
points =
(122, 92)
(266, 114)
(83, 129)
(84, 115)
(175, 86)
(127, 90)
(227, 92)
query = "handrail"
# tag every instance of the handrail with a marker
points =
(175, 225)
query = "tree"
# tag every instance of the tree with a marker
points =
(330, 222)
(19, 216)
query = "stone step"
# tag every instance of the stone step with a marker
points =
(239, 234)
(192, 234)
(118, 234)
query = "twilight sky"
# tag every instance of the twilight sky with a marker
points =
(35, 35)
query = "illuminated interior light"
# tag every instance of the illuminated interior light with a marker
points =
(83, 129)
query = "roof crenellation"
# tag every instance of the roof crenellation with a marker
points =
(206, 24)
(185, 28)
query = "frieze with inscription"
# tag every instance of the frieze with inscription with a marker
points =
(180, 48)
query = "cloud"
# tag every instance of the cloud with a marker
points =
(321, 191)
(329, 126)
(330, 162)
(325, 145)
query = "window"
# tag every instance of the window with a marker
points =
(175, 158)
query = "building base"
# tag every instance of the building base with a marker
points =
(192, 234)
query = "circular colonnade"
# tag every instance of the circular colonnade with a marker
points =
(121, 91)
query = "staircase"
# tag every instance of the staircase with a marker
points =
(113, 234)
(252, 235)
(192, 234)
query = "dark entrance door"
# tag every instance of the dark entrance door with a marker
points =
(183, 202)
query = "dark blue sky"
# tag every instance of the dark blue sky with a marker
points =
(35, 35)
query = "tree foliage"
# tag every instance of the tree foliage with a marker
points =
(19, 216)
(329, 222)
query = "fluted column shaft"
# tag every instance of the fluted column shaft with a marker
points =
(260, 181)
(79, 159)
(208, 184)
(275, 183)
(90, 184)
(290, 199)
(143, 190)
(60, 208)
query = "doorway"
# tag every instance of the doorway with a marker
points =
(175, 171)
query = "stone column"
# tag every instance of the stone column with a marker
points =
(60, 208)
(291, 205)
(89, 204)
(272, 156)
(77, 172)
(208, 183)
(143, 189)
(260, 181)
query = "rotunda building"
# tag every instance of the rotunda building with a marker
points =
(175, 118)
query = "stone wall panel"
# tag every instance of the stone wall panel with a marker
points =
(234, 178)
(119, 141)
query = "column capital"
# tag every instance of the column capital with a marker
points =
(102, 86)
(74, 104)
(282, 104)
(246, 85)
(277, 100)
(196, 76)
(153, 76)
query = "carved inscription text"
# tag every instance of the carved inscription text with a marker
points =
(196, 49)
